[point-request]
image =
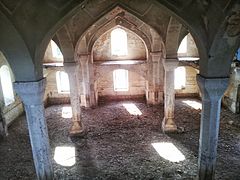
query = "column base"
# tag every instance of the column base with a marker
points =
(168, 125)
(77, 129)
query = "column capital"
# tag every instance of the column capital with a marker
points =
(156, 53)
(212, 88)
(83, 58)
(70, 67)
(170, 64)
(31, 93)
(156, 56)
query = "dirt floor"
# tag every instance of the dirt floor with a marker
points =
(118, 145)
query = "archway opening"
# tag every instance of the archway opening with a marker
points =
(6, 83)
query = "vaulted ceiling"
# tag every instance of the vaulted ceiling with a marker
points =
(28, 25)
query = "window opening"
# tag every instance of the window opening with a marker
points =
(183, 46)
(6, 83)
(119, 42)
(56, 52)
(180, 78)
(62, 82)
(120, 79)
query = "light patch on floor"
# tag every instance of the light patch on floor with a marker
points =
(65, 156)
(168, 151)
(66, 112)
(132, 109)
(194, 104)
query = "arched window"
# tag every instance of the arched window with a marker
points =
(56, 52)
(119, 42)
(120, 80)
(62, 82)
(6, 84)
(180, 78)
(183, 46)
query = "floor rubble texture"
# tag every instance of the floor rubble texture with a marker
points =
(119, 145)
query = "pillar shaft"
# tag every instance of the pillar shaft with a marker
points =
(168, 123)
(73, 70)
(88, 94)
(155, 79)
(212, 91)
(32, 94)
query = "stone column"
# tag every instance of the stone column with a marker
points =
(32, 94)
(155, 79)
(72, 68)
(88, 95)
(212, 91)
(168, 124)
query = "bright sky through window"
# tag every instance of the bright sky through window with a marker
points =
(119, 42)
(183, 46)
(180, 78)
(62, 82)
(6, 83)
(120, 80)
(55, 50)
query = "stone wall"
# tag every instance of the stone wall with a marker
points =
(135, 46)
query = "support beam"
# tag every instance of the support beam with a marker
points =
(32, 94)
(168, 124)
(212, 91)
(72, 69)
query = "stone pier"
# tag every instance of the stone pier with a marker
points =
(72, 68)
(168, 124)
(212, 91)
(32, 94)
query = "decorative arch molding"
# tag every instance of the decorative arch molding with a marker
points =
(151, 39)
(125, 25)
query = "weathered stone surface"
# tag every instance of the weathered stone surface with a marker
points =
(73, 72)
(32, 94)
(212, 91)
(168, 124)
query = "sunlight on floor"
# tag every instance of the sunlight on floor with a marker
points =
(194, 104)
(67, 112)
(65, 156)
(132, 109)
(168, 151)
